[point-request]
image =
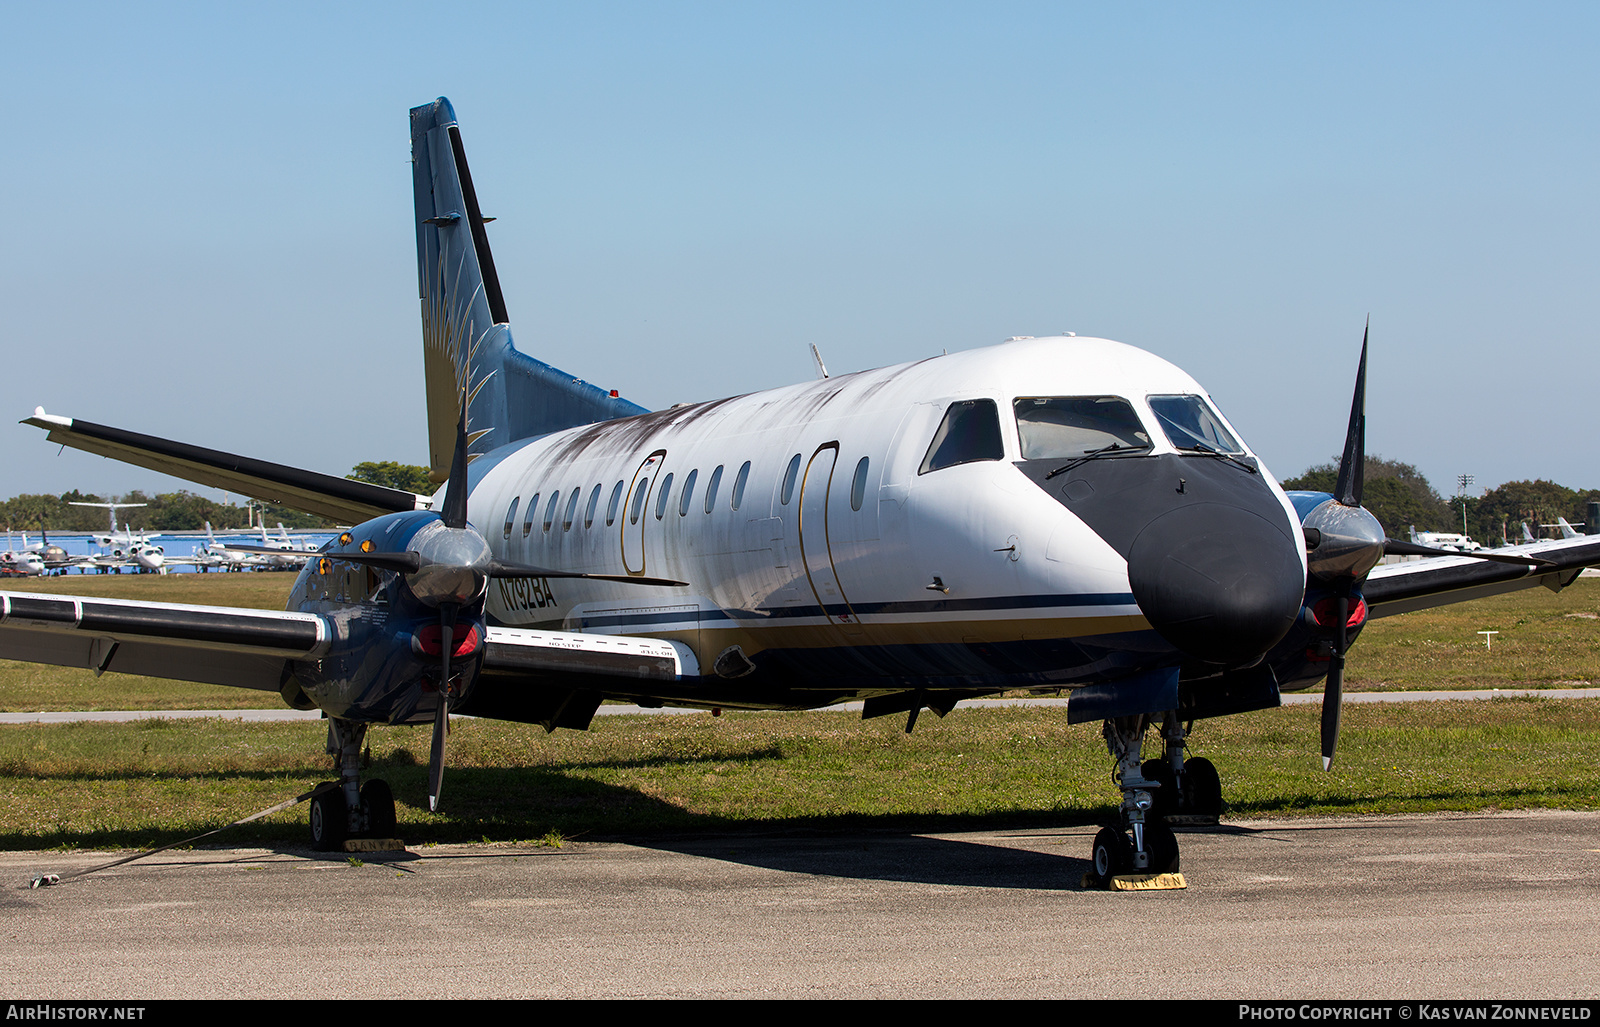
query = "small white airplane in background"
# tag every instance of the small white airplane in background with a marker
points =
(281, 551)
(128, 547)
(1450, 540)
(1567, 530)
(229, 559)
(52, 555)
(22, 562)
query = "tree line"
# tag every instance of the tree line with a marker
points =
(183, 510)
(1399, 496)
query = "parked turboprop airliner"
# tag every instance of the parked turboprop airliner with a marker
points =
(1048, 513)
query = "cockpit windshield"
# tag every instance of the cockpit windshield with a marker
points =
(1190, 423)
(1057, 427)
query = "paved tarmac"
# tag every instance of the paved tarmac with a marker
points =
(1465, 906)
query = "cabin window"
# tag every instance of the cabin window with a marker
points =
(1062, 427)
(789, 476)
(550, 511)
(637, 506)
(572, 509)
(666, 493)
(969, 432)
(611, 506)
(688, 493)
(711, 488)
(1190, 423)
(858, 485)
(594, 502)
(511, 517)
(527, 517)
(738, 484)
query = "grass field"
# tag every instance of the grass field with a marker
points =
(158, 781)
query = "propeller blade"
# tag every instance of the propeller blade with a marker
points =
(441, 715)
(1333, 691)
(504, 569)
(1395, 547)
(1352, 462)
(441, 725)
(454, 510)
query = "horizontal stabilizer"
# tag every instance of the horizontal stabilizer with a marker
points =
(325, 495)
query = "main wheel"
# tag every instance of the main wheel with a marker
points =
(377, 808)
(1202, 788)
(1112, 855)
(329, 820)
(1164, 799)
(1162, 845)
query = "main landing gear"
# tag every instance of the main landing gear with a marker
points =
(346, 808)
(1142, 850)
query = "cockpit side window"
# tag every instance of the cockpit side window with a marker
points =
(969, 432)
(1190, 423)
(1062, 427)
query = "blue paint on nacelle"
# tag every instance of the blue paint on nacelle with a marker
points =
(374, 671)
(1305, 502)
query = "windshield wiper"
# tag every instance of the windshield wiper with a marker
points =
(1205, 450)
(1091, 454)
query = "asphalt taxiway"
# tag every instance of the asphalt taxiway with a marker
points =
(1450, 906)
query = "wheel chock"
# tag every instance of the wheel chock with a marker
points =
(1139, 882)
(374, 845)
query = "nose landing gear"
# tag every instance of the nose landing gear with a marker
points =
(1141, 852)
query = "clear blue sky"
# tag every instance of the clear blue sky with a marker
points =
(209, 210)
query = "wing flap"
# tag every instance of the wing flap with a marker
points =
(342, 499)
(639, 659)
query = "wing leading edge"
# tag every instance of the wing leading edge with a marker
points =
(221, 645)
(1438, 581)
(212, 644)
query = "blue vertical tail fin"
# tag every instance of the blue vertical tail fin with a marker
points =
(466, 331)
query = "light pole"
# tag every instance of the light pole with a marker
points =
(1463, 482)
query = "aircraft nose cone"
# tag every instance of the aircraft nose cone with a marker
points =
(1221, 583)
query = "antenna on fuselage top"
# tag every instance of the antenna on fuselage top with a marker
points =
(822, 369)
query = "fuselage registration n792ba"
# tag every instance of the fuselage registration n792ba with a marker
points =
(1047, 513)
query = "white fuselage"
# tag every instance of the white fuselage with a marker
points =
(865, 576)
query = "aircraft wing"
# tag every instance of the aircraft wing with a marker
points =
(326, 495)
(217, 645)
(1441, 580)
(223, 645)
